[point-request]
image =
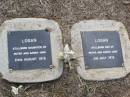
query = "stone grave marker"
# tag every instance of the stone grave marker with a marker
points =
(102, 49)
(29, 50)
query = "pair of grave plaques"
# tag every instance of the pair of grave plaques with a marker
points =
(29, 50)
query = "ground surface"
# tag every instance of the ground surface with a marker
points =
(66, 13)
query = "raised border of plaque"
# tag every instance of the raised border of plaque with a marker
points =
(31, 75)
(100, 26)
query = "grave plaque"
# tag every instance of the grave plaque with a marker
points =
(29, 49)
(102, 49)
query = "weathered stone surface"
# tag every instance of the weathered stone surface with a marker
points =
(35, 75)
(100, 73)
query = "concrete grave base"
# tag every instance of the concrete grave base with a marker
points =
(100, 73)
(36, 75)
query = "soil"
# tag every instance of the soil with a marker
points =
(66, 13)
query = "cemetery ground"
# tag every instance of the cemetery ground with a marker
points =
(66, 13)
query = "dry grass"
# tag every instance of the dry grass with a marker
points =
(66, 13)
